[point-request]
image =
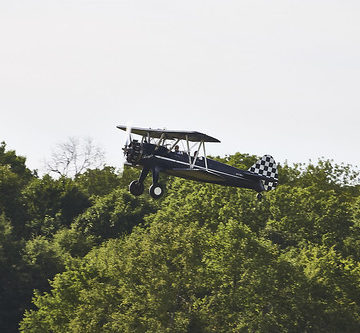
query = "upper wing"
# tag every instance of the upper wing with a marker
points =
(182, 135)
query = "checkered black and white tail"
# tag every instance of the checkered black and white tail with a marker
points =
(267, 167)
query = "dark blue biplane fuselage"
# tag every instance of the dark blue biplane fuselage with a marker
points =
(159, 159)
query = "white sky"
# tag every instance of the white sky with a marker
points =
(277, 77)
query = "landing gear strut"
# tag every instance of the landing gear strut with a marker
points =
(156, 190)
(136, 187)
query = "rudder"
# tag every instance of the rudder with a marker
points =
(266, 166)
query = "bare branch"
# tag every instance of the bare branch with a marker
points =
(74, 157)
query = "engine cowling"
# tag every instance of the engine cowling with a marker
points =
(133, 152)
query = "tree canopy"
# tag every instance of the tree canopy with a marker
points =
(81, 254)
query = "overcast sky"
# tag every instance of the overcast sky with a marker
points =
(277, 77)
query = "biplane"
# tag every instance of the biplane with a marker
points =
(158, 150)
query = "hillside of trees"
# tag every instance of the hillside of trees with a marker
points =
(81, 254)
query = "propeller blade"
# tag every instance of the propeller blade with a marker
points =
(128, 134)
(127, 142)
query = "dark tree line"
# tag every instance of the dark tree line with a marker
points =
(81, 254)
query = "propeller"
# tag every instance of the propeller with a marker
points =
(125, 148)
(128, 135)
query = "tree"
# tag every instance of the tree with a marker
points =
(113, 215)
(250, 288)
(11, 185)
(52, 203)
(206, 259)
(14, 176)
(332, 288)
(14, 296)
(74, 157)
(99, 182)
(308, 214)
(145, 282)
(15, 162)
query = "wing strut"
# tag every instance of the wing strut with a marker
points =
(202, 143)
(176, 142)
(162, 137)
(188, 148)
(206, 165)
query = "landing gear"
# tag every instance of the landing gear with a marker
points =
(259, 196)
(156, 191)
(136, 188)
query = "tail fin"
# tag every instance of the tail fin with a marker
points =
(266, 166)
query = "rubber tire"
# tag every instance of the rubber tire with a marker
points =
(136, 188)
(154, 191)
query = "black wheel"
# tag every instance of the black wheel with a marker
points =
(136, 188)
(259, 196)
(156, 191)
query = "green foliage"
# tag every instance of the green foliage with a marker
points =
(251, 289)
(332, 288)
(14, 295)
(146, 283)
(351, 244)
(99, 182)
(78, 289)
(15, 163)
(10, 198)
(205, 258)
(325, 175)
(308, 214)
(73, 242)
(43, 258)
(52, 203)
(176, 277)
(113, 215)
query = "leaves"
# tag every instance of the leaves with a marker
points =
(205, 258)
